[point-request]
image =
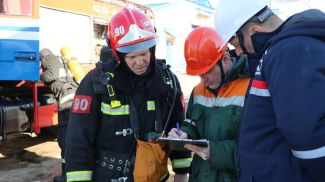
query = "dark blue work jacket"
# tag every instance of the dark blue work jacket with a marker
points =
(282, 133)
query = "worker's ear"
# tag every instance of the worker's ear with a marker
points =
(258, 28)
(226, 58)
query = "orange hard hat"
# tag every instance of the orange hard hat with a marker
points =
(203, 48)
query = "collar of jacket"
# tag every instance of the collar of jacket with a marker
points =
(307, 23)
(155, 84)
(260, 42)
(240, 69)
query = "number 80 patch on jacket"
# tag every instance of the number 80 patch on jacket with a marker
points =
(81, 104)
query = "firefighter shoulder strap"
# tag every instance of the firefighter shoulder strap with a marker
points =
(151, 159)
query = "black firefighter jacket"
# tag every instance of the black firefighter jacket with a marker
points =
(100, 132)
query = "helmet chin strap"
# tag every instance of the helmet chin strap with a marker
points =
(222, 72)
(241, 41)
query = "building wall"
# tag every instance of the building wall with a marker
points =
(286, 8)
(174, 22)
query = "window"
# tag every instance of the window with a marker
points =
(16, 7)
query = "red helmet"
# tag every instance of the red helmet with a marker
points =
(131, 31)
(203, 48)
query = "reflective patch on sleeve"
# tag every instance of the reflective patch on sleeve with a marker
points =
(81, 104)
(181, 163)
(79, 176)
(310, 154)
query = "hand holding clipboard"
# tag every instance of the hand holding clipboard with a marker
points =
(178, 144)
(178, 140)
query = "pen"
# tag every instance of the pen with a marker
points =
(178, 131)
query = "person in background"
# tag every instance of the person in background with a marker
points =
(282, 133)
(215, 105)
(56, 76)
(121, 106)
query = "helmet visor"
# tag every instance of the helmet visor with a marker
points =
(138, 46)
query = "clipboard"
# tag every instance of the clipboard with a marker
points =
(178, 144)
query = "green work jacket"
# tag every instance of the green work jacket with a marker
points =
(216, 117)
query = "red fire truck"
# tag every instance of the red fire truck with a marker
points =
(26, 26)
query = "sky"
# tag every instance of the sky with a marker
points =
(286, 9)
(319, 4)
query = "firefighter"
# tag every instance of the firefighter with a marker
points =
(282, 133)
(121, 106)
(219, 97)
(55, 75)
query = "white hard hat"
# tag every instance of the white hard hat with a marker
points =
(230, 15)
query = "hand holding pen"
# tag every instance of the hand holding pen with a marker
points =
(177, 133)
(178, 130)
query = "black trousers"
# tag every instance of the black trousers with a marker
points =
(61, 134)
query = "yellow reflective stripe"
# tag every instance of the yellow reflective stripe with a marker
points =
(79, 176)
(181, 163)
(108, 109)
(115, 103)
(110, 90)
(151, 105)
